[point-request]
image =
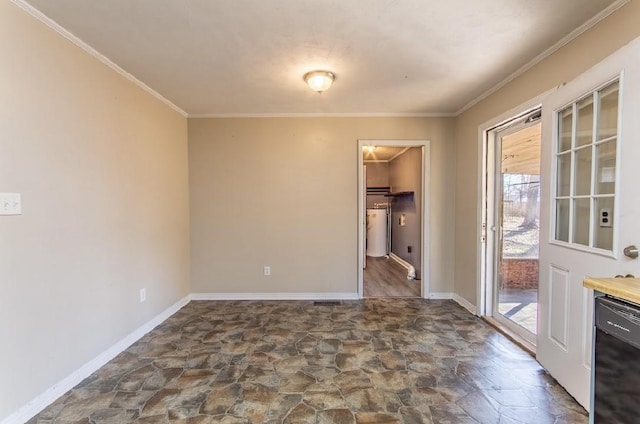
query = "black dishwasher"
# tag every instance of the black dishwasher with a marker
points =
(617, 362)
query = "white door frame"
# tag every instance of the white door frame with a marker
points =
(424, 237)
(486, 182)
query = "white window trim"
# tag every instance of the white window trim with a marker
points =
(554, 172)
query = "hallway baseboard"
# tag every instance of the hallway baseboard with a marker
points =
(399, 260)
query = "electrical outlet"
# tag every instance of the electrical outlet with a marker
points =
(143, 295)
(267, 270)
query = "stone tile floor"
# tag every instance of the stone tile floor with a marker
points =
(371, 361)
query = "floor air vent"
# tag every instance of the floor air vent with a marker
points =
(326, 303)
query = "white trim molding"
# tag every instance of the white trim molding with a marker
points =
(387, 160)
(456, 298)
(93, 52)
(275, 296)
(399, 260)
(464, 303)
(539, 58)
(323, 115)
(33, 407)
(411, 270)
(548, 52)
(439, 296)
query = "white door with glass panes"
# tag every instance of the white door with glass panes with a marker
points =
(590, 207)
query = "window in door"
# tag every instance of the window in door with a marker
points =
(517, 208)
(585, 158)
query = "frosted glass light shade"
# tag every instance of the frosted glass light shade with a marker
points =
(319, 80)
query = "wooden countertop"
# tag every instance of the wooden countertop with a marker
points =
(624, 288)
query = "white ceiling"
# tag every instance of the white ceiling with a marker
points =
(247, 57)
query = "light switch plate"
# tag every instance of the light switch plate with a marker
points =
(10, 204)
(605, 218)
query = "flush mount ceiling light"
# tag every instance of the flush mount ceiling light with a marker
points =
(369, 149)
(319, 80)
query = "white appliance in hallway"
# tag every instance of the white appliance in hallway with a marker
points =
(376, 232)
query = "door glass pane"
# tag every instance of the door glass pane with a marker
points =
(562, 219)
(517, 250)
(608, 118)
(565, 127)
(586, 168)
(584, 123)
(582, 175)
(603, 235)
(581, 213)
(564, 174)
(606, 153)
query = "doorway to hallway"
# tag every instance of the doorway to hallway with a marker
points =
(392, 216)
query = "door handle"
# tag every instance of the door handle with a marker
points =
(631, 252)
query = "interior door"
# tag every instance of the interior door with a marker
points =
(589, 207)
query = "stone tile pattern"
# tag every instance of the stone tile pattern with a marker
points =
(371, 361)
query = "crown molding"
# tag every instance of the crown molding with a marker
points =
(546, 53)
(399, 153)
(22, 4)
(321, 115)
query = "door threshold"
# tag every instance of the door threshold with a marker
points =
(525, 344)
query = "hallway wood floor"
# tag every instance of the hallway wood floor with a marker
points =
(387, 278)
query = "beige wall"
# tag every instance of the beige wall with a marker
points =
(283, 192)
(377, 176)
(102, 169)
(405, 174)
(567, 63)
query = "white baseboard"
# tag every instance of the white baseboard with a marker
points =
(33, 407)
(456, 298)
(401, 261)
(275, 296)
(465, 303)
(439, 296)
